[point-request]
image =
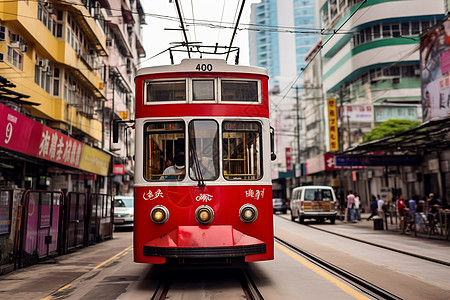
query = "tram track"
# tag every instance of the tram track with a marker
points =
(249, 288)
(401, 251)
(359, 283)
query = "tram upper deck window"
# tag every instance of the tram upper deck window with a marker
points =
(203, 90)
(242, 155)
(174, 90)
(164, 151)
(239, 90)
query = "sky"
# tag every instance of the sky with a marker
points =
(162, 15)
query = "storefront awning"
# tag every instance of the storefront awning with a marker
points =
(433, 135)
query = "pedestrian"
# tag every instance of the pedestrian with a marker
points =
(357, 205)
(412, 204)
(351, 206)
(400, 205)
(401, 212)
(373, 207)
(380, 203)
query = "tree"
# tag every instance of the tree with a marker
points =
(388, 128)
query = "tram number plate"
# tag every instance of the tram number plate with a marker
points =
(204, 67)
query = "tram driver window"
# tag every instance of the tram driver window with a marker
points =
(162, 142)
(204, 149)
(239, 90)
(163, 91)
(242, 156)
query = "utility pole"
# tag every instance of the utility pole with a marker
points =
(298, 124)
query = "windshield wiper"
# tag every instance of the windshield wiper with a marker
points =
(197, 169)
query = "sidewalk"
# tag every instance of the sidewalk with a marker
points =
(393, 238)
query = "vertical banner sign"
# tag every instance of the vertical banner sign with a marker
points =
(288, 159)
(332, 124)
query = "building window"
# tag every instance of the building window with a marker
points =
(15, 57)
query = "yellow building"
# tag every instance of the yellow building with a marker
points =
(53, 51)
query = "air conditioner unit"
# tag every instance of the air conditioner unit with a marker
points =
(14, 44)
(24, 48)
(396, 80)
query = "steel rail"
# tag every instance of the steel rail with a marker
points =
(427, 258)
(365, 286)
(248, 285)
(162, 289)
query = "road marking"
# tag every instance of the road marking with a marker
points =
(112, 258)
(118, 255)
(322, 273)
(60, 290)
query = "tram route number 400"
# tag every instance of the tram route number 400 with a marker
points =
(204, 67)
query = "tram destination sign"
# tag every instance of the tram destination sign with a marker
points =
(378, 160)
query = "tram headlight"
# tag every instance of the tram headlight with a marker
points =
(248, 213)
(204, 214)
(159, 214)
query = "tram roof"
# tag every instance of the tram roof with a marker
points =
(189, 65)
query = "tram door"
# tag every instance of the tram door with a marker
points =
(76, 213)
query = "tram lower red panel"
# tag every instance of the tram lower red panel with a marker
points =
(182, 237)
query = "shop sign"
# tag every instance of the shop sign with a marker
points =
(358, 113)
(322, 162)
(288, 159)
(332, 124)
(119, 169)
(22, 134)
(94, 161)
(378, 160)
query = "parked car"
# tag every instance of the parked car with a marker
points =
(280, 205)
(123, 211)
(314, 202)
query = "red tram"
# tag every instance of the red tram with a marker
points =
(203, 190)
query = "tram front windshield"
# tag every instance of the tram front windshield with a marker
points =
(165, 150)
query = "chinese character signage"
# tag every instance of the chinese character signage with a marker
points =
(378, 160)
(288, 159)
(358, 113)
(118, 169)
(22, 134)
(435, 67)
(332, 124)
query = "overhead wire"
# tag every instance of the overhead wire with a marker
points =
(193, 18)
(220, 23)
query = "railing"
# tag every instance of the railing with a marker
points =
(55, 223)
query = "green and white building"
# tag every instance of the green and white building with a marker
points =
(371, 63)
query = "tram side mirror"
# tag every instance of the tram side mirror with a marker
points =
(115, 127)
(273, 156)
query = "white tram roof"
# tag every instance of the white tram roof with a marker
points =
(190, 65)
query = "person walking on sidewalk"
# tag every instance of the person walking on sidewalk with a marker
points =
(380, 203)
(350, 207)
(373, 207)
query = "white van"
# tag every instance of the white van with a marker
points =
(314, 202)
